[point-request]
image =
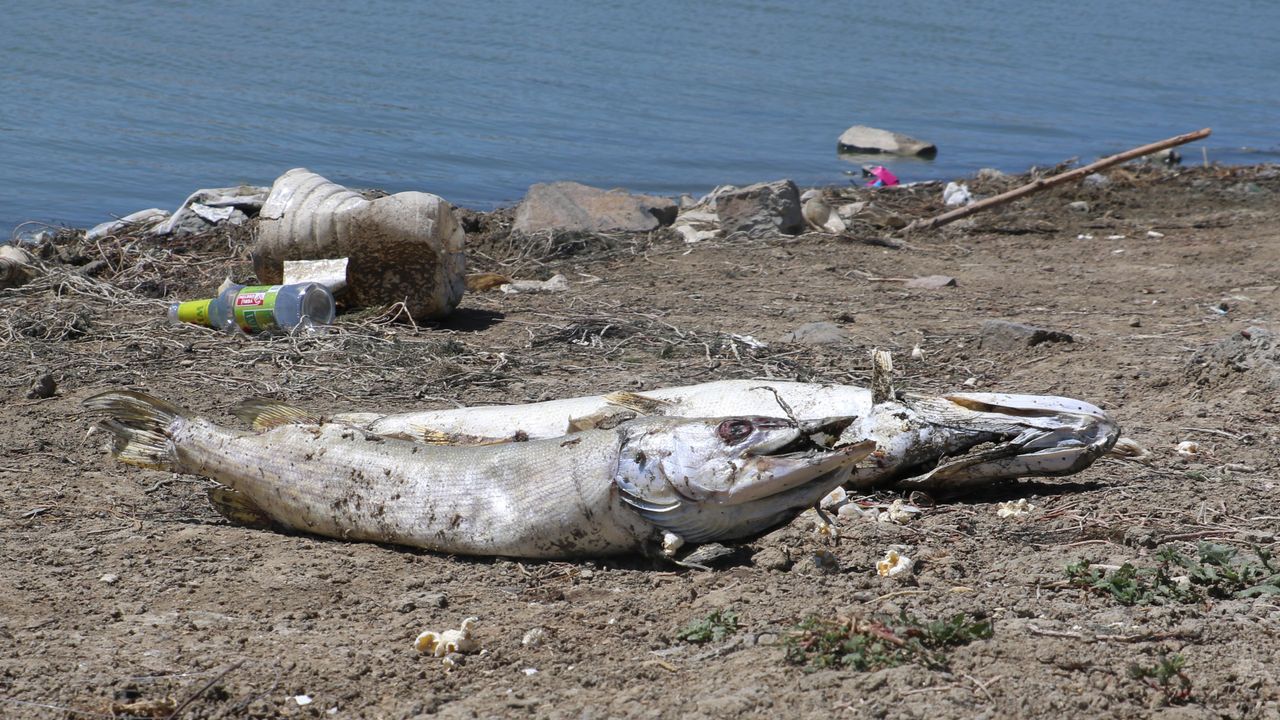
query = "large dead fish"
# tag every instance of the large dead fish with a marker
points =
(924, 442)
(653, 480)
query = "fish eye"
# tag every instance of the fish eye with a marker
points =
(734, 430)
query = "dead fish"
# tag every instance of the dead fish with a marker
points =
(598, 492)
(924, 442)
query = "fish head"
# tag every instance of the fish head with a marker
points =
(707, 479)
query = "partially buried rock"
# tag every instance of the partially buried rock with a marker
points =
(574, 206)
(761, 209)
(931, 282)
(1005, 335)
(863, 139)
(815, 333)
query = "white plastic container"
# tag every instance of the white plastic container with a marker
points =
(259, 308)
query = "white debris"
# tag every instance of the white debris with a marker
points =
(531, 671)
(851, 510)
(749, 341)
(533, 637)
(1154, 235)
(895, 562)
(150, 216)
(917, 353)
(556, 283)
(956, 194)
(1014, 508)
(1115, 237)
(443, 644)
(970, 382)
(302, 699)
(1084, 236)
(109, 578)
(834, 498)
(1188, 448)
(897, 513)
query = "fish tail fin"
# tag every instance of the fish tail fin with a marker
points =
(139, 425)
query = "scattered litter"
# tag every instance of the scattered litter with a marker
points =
(147, 217)
(17, 267)
(970, 382)
(956, 194)
(556, 283)
(1115, 237)
(443, 644)
(1188, 448)
(530, 671)
(880, 175)
(1084, 236)
(1129, 449)
(749, 341)
(917, 353)
(835, 498)
(898, 512)
(1154, 234)
(302, 699)
(482, 282)
(895, 562)
(1014, 508)
(533, 637)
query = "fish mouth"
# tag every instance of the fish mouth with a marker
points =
(795, 465)
(808, 436)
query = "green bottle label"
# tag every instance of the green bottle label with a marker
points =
(255, 308)
(194, 311)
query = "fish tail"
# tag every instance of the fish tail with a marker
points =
(140, 426)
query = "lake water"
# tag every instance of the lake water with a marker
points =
(112, 106)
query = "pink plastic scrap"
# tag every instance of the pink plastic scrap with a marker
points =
(882, 177)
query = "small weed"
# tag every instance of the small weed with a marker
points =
(1214, 572)
(1166, 676)
(874, 644)
(713, 628)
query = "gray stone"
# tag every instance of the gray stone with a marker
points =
(1079, 206)
(574, 206)
(1005, 335)
(760, 209)
(863, 139)
(815, 333)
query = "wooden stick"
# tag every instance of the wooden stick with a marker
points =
(1045, 183)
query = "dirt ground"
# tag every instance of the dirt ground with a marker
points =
(126, 595)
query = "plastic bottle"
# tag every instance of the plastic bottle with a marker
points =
(256, 308)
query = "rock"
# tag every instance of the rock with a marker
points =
(17, 267)
(1079, 206)
(863, 139)
(574, 206)
(1005, 335)
(931, 282)
(760, 209)
(44, 387)
(142, 218)
(817, 213)
(772, 558)
(407, 247)
(1096, 180)
(815, 333)
(206, 208)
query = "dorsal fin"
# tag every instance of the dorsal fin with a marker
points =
(265, 414)
(639, 403)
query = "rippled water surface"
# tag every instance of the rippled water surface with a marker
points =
(107, 107)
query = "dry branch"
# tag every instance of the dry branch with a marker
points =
(1045, 183)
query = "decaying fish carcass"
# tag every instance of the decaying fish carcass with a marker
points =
(647, 482)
